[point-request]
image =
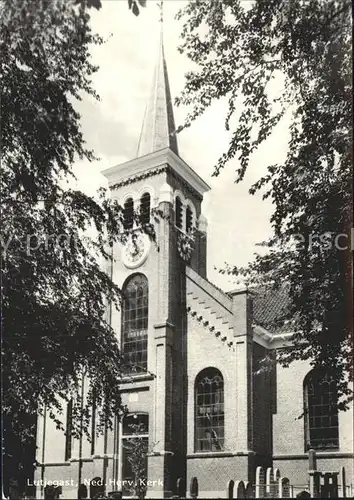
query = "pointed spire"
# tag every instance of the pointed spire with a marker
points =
(158, 130)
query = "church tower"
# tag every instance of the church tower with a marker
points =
(158, 188)
(192, 378)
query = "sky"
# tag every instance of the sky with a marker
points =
(111, 127)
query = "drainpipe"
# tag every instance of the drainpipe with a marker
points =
(81, 431)
(105, 458)
(43, 450)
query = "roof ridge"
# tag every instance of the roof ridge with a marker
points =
(201, 279)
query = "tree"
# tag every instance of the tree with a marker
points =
(239, 48)
(55, 290)
(134, 6)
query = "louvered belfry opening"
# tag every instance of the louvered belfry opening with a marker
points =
(189, 220)
(129, 214)
(145, 207)
(178, 213)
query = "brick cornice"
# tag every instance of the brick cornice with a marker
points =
(221, 454)
(141, 175)
(153, 164)
(319, 455)
(152, 172)
(165, 324)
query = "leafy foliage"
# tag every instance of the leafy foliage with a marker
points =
(55, 287)
(239, 48)
(134, 6)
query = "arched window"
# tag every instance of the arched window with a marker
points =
(145, 208)
(209, 411)
(129, 213)
(178, 212)
(135, 311)
(135, 448)
(189, 219)
(320, 411)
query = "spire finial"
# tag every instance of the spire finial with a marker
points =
(158, 130)
(160, 6)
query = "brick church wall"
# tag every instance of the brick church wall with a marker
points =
(288, 430)
(262, 409)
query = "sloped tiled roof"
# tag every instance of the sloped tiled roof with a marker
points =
(270, 308)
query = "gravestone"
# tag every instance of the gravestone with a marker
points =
(49, 493)
(194, 488)
(14, 490)
(276, 474)
(181, 487)
(283, 487)
(303, 494)
(230, 489)
(343, 482)
(269, 481)
(260, 482)
(82, 492)
(52, 492)
(275, 483)
(249, 490)
(96, 487)
(240, 491)
(329, 488)
(315, 483)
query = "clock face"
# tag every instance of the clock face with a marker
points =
(185, 247)
(136, 249)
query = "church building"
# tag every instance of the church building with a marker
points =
(194, 386)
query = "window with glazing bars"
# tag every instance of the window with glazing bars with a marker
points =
(321, 412)
(135, 323)
(129, 213)
(145, 208)
(209, 411)
(178, 212)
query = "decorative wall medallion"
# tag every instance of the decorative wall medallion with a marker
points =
(185, 246)
(136, 250)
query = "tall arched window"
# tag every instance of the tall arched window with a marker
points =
(145, 208)
(129, 213)
(209, 411)
(320, 411)
(178, 212)
(189, 219)
(135, 322)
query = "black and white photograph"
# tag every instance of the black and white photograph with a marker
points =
(176, 249)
